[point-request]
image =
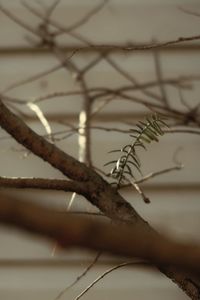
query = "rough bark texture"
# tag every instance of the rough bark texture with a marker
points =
(96, 189)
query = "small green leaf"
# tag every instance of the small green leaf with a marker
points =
(110, 162)
(144, 133)
(112, 151)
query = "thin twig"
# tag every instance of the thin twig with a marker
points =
(159, 74)
(190, 12)
(140, 191)
(161, 172)
(56, 25)
(154, 174)
(85, 114)
(51, 9)
(86, 18)
(180, 81)
(133, 47)
(107, 273)
(36, 76)
(83, 274)
(18, 21)
(68, 29)
(130, 78)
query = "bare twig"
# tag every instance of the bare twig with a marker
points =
(139, 190)
(67, 30)
(87, 269)
(159, 75)
(161, 172)
(51, 9)
(131, 79)
(132, 263)
(152, 175)
(18, 21)
(132, 47)
(100, 91)
(53, 23)
(36, 76)
(85, 114)
(105, 48)
(190, 12)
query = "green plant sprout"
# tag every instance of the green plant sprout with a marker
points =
(144, 133)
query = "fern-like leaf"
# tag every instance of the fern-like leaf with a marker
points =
(144, 133)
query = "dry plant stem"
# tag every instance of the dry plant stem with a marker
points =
(134, 47)
(150, 105)
(131, 79)
(86, 18)
(120, 93)
(72, 231)
(140, 192)
(84, 273)
(61, 29)
(187, 11)
(159, 75)
(99, 48)
(89, 66)
(134, 263)
(98, 192)
(112, 129)
(34, 77)
(151, 175)
(182, 82)
(114, 65)
(18, 21)
(50, 10)
(50, 37)
(85, 114)
(73, 130)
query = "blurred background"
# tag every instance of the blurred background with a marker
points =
(30, 70)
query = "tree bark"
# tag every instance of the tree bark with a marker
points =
(92, 186)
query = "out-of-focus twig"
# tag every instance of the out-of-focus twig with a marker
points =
(122, 265)
(87, 269)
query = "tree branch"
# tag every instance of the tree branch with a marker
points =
(98, 191)
(73, 231)
(43, 184)
(39, 146)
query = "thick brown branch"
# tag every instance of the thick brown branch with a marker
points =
(82, 232)
(98, 192)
